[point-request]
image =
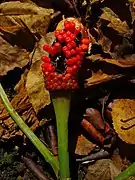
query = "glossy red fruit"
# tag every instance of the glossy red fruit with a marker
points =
(46, 59)
(85, 41)
(72, 26)
(70, 61)
(67, 76)
(47, 48)
(64, 49)
(69, 26)
(60, 38)
(68, 33)
(77, 30)
(73, 52)
(84, 47)
(79, 57)
(73, 44)
(50, 68)
(78, 50)
(57, 45)
(68, 39)
(53, 51)
(68, 54)
(69, 46)
(56, 33)
(72, 36)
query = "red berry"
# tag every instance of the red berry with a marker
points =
(73, 44)
(46, 59)
(78, 49)
(61, 31)
(60, 38)
(72, 36)
(69, 46)
(79, 57)
(70, 61)
(74, 68)
(85, 41)
(66, 23)
(67, 76)
(65, 49)
(73, 52)
(63, 85)
(68, 33)
(68, 39)
(47, 48)
(56, 33)
(57, 45)
(59, 76)
(65, 36)
(68, 54)
(53, 51)
(77, 30)
(45, 66)
(72, 26)
(84, 47)
(50, 68)
(69, 70)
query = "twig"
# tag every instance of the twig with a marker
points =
(34, 168)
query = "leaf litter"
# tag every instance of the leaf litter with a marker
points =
(114, 40)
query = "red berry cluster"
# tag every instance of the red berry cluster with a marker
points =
(73, 52)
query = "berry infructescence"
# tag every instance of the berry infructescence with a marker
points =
(66, 55)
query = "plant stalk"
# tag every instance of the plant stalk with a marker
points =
(61, 105)
(130, 171)
(28, 132)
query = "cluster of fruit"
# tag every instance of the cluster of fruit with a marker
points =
(72, 50)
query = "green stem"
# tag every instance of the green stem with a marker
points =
(28, 132)
(62, 106)
(130, 171)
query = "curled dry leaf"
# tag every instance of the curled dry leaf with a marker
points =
(114, 21)
(21, 104)
(39, 97)
(83, 146)
(123, 116)
(35, 18)
(103, 169)
(11, 57)
(124, 63)
(100, 77)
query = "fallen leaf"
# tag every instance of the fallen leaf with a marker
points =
(100, 77)
(39, 96)
(83, 146)
(11, 57)
(36, 18)
(21, 104)
(129, 61)
(132, 9)
(114, 21)
(102, 170)
(123, 116)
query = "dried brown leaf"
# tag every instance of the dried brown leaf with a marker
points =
(39, 97)
(124, 110)
(129, 61)
(11, 57)
(100, 77)
(35, 18)
(114, 21)
(102, 170)
(83, 146)
(22, 105)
